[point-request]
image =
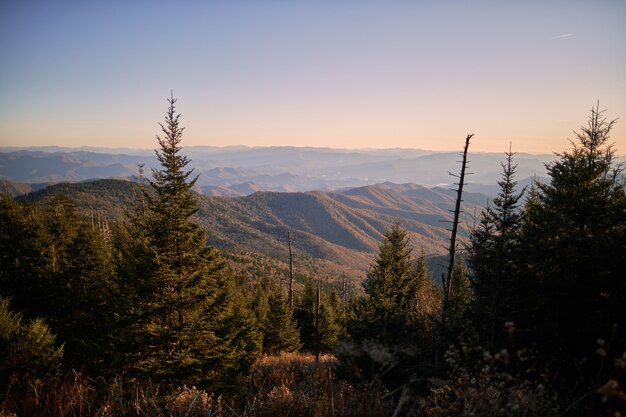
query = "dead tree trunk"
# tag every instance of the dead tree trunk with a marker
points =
(317, 325)
(290, 296)
(447, 279)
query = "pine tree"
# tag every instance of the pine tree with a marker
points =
(460, 300)
(59, 266)
(427, 306)
(22, 257)
(574, 238)
(187, 323)
(329, 328)
(281, 333)
(493, 254)
(28, 352)
(390, 287)
(83, 288)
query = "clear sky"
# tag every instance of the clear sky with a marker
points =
(343, 73)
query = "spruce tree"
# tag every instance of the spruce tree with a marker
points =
(493, 255)
(427, 306)
(574, 239)
(187, 324)
(390, 291)
(59, 266)
(281, 333)
(329, 328)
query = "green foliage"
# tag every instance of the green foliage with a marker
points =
(493, 255)
(574, 238)
(22, 256)
(27, 350)
(58, 264)
(329, 327)
(390, 292)
(184, 312)
(281, 333)
(461, 297)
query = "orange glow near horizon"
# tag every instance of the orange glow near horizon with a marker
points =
(402, 75)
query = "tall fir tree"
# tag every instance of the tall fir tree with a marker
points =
(57, 264)
(187, 322)
(574, 239)
(493, 255)
(390, 292)
(329, 327)
(281, 333)
(23, 260)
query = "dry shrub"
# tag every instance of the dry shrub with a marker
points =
(296, 385)
(482, 383)
(192, 402)
(612, 392)
(78, 396)
(71, 395)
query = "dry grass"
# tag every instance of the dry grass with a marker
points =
(296, 385)
(78, 396)
(284, 385)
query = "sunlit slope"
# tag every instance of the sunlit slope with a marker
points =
(344, 227)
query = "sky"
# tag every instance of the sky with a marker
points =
(342, 74)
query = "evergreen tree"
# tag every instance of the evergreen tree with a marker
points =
(28, 351)
(461, 299)
(427, 306)
(187, 322)
(22, 257)
(59, 266)
(281, 333)
(84, 289)
(574, 238)
(390, 292)
(329, 328)
(493, 256)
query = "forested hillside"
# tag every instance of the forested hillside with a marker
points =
(148, 299)
(339, 227)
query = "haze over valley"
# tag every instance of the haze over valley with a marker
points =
(238, 171)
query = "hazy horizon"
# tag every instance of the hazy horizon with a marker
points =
(347, 75)
(151, 149)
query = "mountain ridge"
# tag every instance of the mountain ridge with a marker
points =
(340, 227)
(243, 170)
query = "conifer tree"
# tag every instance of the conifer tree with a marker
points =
(28, 351)
(83, 288)
(427, 306)
(493, 255)
(574, 238)
(59, 266)
(22, 257)
(329, 328)
(390, 287)
(187, 323)
(281, 333)
(460, 300)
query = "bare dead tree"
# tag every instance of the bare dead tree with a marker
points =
(447, 278)
(317, 324)
(290, 296)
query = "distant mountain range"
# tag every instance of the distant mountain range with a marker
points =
(335, 203)
(240, 171)
(342, 228)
